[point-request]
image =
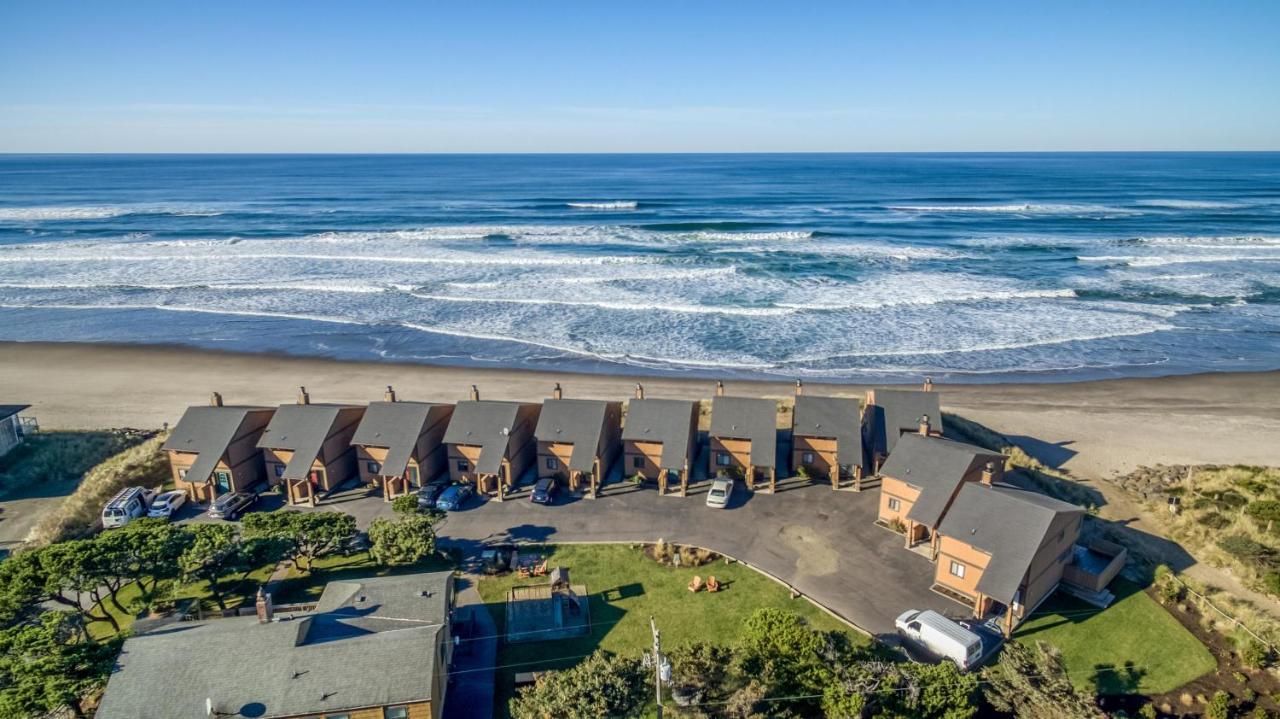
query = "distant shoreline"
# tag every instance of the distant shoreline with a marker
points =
(1092, 428)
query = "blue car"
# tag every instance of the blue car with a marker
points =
(454, 497)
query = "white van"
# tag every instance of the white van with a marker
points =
(941, 637)
(128, 504)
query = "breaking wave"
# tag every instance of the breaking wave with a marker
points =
(617, 205)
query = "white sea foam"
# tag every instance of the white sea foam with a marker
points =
(752, 236)
(1022, 208)
(44, 214)
(619, 306)
(972, 296)
(1261, 241)
(614, 205)
(1162, 260)
(1175, 204)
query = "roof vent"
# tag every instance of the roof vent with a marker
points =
(506, 431)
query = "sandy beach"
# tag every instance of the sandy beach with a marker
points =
(1092, 429)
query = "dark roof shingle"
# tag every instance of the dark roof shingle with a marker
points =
(207, 432)
(397, 426)
(486, 424)
(899, 410)
(670, 422)
(580, 422)
(936, 467)
(838, 418)
(302, 429)
(748, 418)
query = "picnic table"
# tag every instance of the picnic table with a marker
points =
(533, 565)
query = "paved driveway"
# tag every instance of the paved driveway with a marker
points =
(823, 543)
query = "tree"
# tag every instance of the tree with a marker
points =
(301, 535)
(405, 504)
(216, 551)
(701, 670)
(786, 656)
(884, 690)
(405, 541)
(67, 573)
(603, 685)
(1032, 683)
(47, 667)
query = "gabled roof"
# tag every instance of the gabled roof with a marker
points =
(207, 432)
(935, 466)
(329, 661)
(896, 410)
(580, 422)
(8, 410)
(748, 418)
(482, 423)
(396, 426)
(1008, 523)
(301, 429)
(838, 418)
(668, 421)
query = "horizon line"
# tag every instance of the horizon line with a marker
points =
(356, 153)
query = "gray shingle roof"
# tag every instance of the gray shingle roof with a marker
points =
(481, 423)
(8, 410)
(580, 422)
(301, 429)
(668, 421)
(397, 426)
(936, 467)
(207, 432)
(896, 410)
(839, 418)
(1008, 523)
(331, 660)
(748, 418)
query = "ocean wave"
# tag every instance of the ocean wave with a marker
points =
(628, 306)
(615, 205)
(1024, 208)
(1162, 260)
(45, 214)
(999, 347)
(975, 296)
(1175, 204)
(479, 260)
(753, 236)
(1212, 241)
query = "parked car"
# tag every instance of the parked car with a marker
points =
(940, 637)
(428, 494)
(454, 497)
(721, 491)
(127, 505)
(232, 505)
(164, 505)
(544, 491)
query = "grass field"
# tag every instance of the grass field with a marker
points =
(1132, 646)
(625, 588)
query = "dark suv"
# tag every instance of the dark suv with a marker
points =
(231, 506)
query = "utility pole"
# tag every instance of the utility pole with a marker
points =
(657, 664)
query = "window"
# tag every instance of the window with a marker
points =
(637, 462)
(894, 505)
(553, 463)
(395, 713)
(279, 470)
(463, 465)
(373, 467)
(722, 459)
(957, 569)
(806, 458)
(411, 474)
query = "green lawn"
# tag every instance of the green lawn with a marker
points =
(625, 588)
(1132, 646)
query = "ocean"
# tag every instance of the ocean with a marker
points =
(965, 267)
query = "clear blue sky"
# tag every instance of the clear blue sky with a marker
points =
(265, 76)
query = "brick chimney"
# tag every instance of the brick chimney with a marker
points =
(266, 610)
(557, 393)
(639, 391)
(475, 393)
(799, 388)
(928, 384)
(989, 473)
(303, 397)
(389, 395)
(924, 425)
(719, 388)
(215, 400)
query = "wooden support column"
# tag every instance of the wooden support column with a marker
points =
(911, 528)
(662, 482)
(1008, 621)
(751, 477)
(835, 475)
(857, 478)
(773, 479)
(684, 480)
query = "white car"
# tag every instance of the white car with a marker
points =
(721, 491)
(164, 505)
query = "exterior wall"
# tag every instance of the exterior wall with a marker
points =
(1051, 559)
(823, 450)
(522, 450)
(274, 460)
(10, 436)
(974, 560)
(431, 455)
(610, 439)
(242, 477)
(558, 451)
(337, 455)
(365, 455)
(906, 495)
(739, 451)
(649, 454)
(469, 453)
(419, 710)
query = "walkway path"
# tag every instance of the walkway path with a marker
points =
(474, 657)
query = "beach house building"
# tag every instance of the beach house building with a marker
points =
(12, 428)
(578, 439)
(338, 659)
(660, 440)
(891, 413)
(400, 445)
(491, 443)
(826, 438)
(920, 480)
(214, 449)
(744, 438)
(1003, 550)
(307, 447)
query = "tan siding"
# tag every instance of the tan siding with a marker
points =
(559, 451)
(649, 452)
(974, 560)
(459, 452)
(906, 495)
(365, 455)
(739, 451)
(823, 450)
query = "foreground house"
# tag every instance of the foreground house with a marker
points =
(577, 439)
(1004, 550)
(491, 443)
(214, 450)
(744, 438)
(826, 437)
(307, 447)
(660, 439)
(400, 445)
(892, 413)
(371, 648)
(920, 480)
(11, 427)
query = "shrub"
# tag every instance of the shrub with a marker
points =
(406, 504)
(1247, 550)
(405, 541)
(1148, 711)
(1219, 707)
(1213, 520)
(1253, 654)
